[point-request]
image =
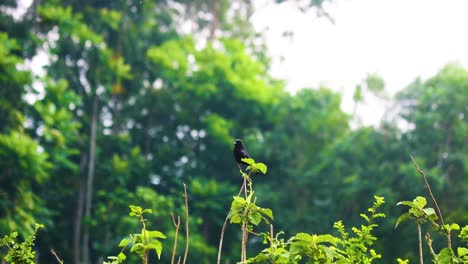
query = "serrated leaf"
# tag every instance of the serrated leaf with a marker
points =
(124, 242)
(255, 218)
(235, 219)
(267, 212)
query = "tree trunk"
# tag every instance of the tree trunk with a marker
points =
(79, 214)
(89, 184)
(215, 10)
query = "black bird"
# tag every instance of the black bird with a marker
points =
(240, 152)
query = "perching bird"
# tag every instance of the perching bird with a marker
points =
(240, 152)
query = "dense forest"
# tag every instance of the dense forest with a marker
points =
(138, 98)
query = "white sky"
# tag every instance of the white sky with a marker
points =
(397, 39)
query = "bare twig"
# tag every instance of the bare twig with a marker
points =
(223, 229)
(421, 260)
(244, 243)
(421, 172)
(176, 225)
(271, 236)
(245, 234)
(429, 243)
(56, 256)
(187, 238)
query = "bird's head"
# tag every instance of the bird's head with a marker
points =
(238, 143)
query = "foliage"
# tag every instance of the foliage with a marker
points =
(325, 248)
(20, 253)
(166, 102)
(141, 243)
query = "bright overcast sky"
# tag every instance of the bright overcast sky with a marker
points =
(397, 39)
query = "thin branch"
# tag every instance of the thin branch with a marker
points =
(421, 172)
(223, 229)
(421, 260)
(244, 242)
(429, 243)
(176, 225)
(56, 256)
(253, 233)
(271, 236)
(187, 233)
(244, 230)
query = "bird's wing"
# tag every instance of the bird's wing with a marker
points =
(245, 154)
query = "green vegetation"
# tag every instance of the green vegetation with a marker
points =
(129, 108)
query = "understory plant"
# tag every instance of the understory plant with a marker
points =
(355, 247)
(420, 214)
(20, 253)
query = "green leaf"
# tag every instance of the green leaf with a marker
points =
(402, 261)
(148, 211)
(248, 161)
(461, 251)
(261, 167)
(420, 202)
(138, 248)
(255, 218)
(365, 217)
(121, 256)
(135, 209)
(407, 203)
(303, 237)
(157, 246)
(124, 242)
(155, 234)
(453, 226)
(430, 212)
(402, 218)
(445, 256)
(267, 212)
(326, 239)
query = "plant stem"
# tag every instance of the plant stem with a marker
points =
(244, 225)
(421, 261)
(429, 243)
(176, 225)
(56, 256)
(244, 242)
(142, 220)
(223, 229)
(421, 172)
(187, 233)
(271, 237)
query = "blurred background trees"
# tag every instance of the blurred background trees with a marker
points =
(139, 97)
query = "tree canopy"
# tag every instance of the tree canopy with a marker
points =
(131, 107)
